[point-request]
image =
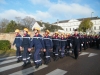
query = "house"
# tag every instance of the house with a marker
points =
(37, 24)
(70, 25)
(44, 26)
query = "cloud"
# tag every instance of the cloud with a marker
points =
(59, 10)
(43, 15)
(41, 2)
(63, 9)
(72, 9)
(11, 14)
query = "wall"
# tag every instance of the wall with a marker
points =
(11, 36)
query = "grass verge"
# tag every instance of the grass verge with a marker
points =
(7, 53)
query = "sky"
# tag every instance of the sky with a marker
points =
(49, 10)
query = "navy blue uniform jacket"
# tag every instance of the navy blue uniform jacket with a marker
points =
(37, 42)
(48, 41)
(18, 41)
(26, 41)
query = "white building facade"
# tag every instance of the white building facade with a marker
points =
(70, 25)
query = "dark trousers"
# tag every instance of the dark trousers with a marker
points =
(47, 52)
(26, 57)
(76, 50)
(36, 56)
(84, 45)
(18, 53)
(56, 49)
(62, 51)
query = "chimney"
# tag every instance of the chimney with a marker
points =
(41, 21)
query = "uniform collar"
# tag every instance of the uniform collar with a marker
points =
(36, 35)
(17, 35)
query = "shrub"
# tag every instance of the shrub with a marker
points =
(5, 45)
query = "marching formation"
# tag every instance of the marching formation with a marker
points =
(56, 46)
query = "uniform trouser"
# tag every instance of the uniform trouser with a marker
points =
(47, 53)
(62, 50)
(90, 44)
(84, 45)
(18, 53)
(67, 48)
(80, 47)
(97, 45)
(87, 45)
(36, 56)
(26, 57)
(76, 51)
(53, 51)
(30, 54)
(56, 49)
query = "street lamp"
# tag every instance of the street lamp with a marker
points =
(91, 14)
(91, 19)
(57, 21)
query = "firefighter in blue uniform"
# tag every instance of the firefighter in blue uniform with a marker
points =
(97, 41)
(17, 42)
(76, 43)
(48, 46)
(62, 44)
(68, 43)
(25, 45)
(56, 45)
(85, 42)
(81, 42)
(30, 54)
(89, 41)
(38, 43)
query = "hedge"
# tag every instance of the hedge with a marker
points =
(5, 45)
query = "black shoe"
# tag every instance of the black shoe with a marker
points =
(76, 57)
(40, 64)
(18, 61)
(29, 63)
(61, 57)
(47, 62)
(56, 58)
(37, 66)
(24, 64)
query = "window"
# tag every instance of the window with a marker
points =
(95, 28)
(73, 29)
(66, 29)
(70, 29)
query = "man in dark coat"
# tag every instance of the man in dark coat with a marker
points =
(76, 43)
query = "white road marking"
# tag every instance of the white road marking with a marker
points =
(11, 66)
(28, 70)
(7, 58)
(92, 54)
(57, 72)
(7, 61)
(84, 53)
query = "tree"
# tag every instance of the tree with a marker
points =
(50, 27)
(3, 25)
(18, 20)
(19, 23)
(28, 21)
(85, 25)
(11, 26)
